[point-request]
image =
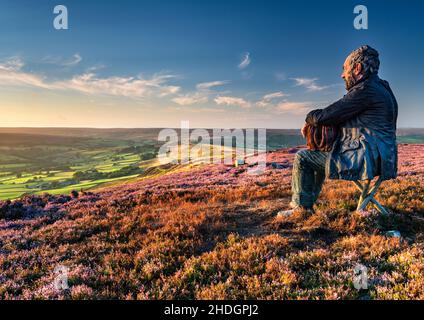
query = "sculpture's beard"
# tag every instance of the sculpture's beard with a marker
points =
(350, 81)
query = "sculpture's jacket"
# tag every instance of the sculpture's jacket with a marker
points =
(366, 145)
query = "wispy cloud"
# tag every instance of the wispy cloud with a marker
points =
(95, 68)
(309, 83)
(274, 95)
(204, 91)
(131, 87)
(60, 61)
(209, 85)
(232, 101)
(76, 58)
(12, 73)
(245, 61)
(297, 108)
(266, 99)
(12, 64)
(189, 99)
(201, 111)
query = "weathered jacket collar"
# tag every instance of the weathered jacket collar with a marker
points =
(369, 77)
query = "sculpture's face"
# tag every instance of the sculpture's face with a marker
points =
(352, 73)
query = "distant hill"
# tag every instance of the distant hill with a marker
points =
(410, 131)
(276, 138)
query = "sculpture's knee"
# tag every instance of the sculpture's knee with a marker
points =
(300, 158)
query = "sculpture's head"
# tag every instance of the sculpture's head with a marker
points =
(360, 63)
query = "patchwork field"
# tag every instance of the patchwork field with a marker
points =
(57, 164)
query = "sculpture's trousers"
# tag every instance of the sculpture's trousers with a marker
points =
(308, 177)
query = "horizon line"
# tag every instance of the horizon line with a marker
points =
(134, 128)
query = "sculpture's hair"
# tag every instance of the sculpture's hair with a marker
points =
(368, 57)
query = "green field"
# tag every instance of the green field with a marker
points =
(57, 163)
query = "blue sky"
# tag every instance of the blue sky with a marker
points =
(214, 63)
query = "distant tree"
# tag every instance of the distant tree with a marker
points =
(147, 156)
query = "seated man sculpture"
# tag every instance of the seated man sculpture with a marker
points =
(357, 134)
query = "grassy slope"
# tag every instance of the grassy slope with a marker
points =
(210, 232)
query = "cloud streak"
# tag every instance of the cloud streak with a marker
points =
(245, 61)
(11, 74)
(189, 99)
(266, 99)
(309, 83)
(232, 101)
(131, 87)
(204, 91)
(209, 85)
(73, 61)
(297, 108)
(76, 58)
